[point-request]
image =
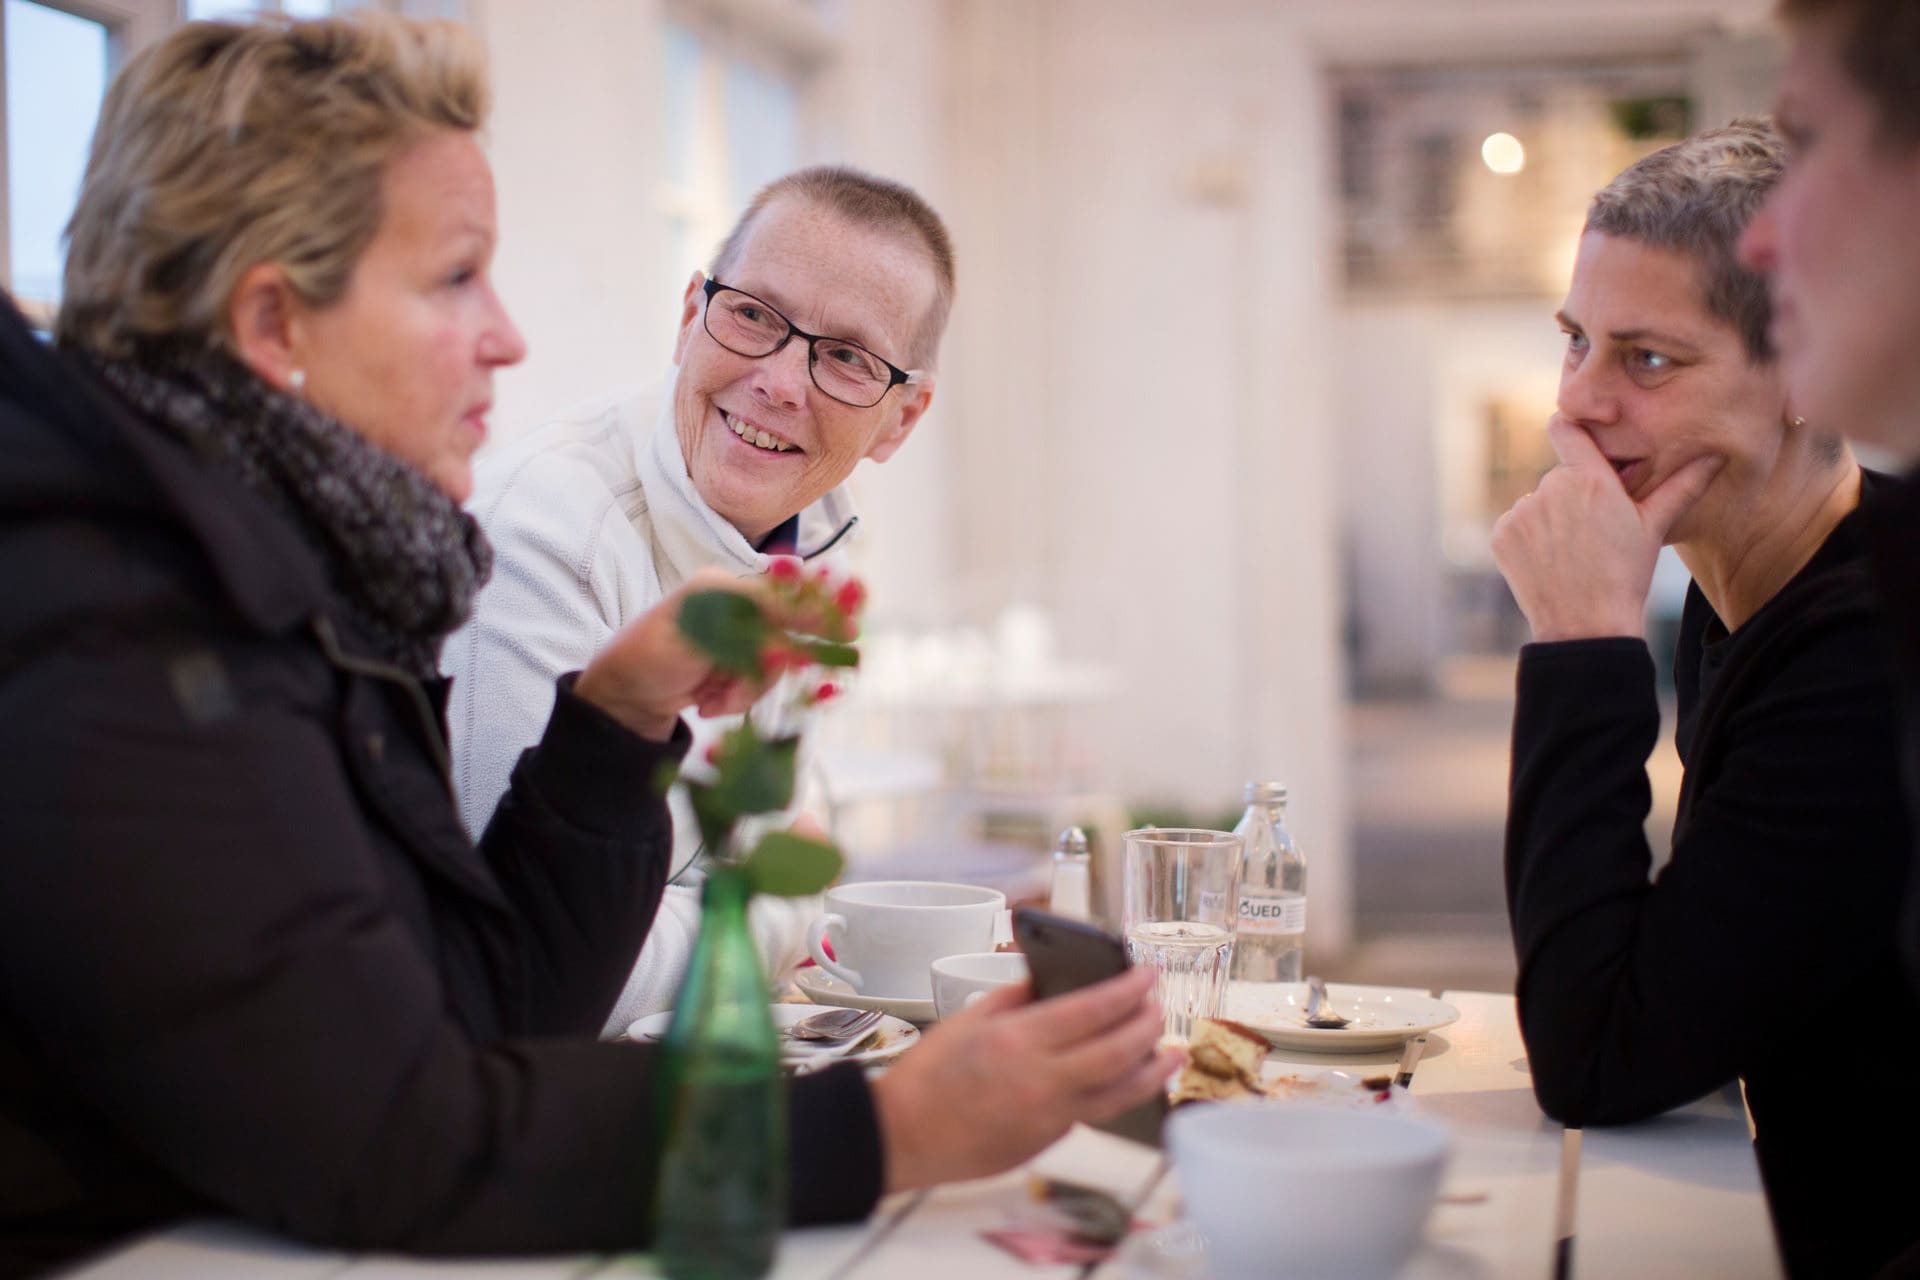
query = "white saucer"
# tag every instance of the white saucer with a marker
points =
(822, 987)
(1383, 1018)
(893, 1037)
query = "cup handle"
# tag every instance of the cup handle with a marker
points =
(815, 933)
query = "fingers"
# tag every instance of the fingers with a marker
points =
(1662, 509)
(1573, 445)
(995, 1002)
(1100, 1058)
(1145, 1080)
(1070, 1018)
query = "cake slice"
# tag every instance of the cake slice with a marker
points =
(1223, 1062)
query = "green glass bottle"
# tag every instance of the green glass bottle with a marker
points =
(722, 1197)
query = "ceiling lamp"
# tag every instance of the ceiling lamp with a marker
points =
(1503, 153)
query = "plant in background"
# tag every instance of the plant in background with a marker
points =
(751, 769)
(721, 1198)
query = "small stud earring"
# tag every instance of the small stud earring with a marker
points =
(1798, 421)
(298, 380)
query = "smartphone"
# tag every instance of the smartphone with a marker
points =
(1064, 955)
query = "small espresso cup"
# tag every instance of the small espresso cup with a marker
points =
(958, 979)
(886, 932)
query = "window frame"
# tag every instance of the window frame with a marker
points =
(131, 25)
(792, 40)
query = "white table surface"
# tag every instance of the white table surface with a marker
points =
(1677, 1197)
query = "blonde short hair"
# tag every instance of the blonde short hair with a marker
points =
(866, 201)
(1696, 197)
(229, 145)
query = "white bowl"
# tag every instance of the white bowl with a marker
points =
(1306, 1191)
(957, 980)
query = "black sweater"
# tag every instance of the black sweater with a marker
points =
(250, 963)
(1638, 994)
(1893, 529)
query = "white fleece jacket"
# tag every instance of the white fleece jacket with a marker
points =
(593, 520)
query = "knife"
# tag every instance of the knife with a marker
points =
(1564, 1206)
(1409, 1059)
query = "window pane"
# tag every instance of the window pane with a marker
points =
(210, 10)
(681, 84)
(56, 74)
(762, 128)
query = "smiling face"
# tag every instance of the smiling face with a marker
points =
(406, 356)
(1657, 381)
(1837, 239)
(828, 276)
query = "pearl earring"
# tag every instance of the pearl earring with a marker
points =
(298, 380)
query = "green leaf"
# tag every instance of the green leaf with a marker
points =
(791, 866)
(756, 776)
(666, 775)
(715, 820)
(828, 653)
(727, 627)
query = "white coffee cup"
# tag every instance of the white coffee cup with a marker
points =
(1329, 1191)
(886, 932)
(957, 980)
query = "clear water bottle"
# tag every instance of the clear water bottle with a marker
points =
(1273, 891)
(1072, 894)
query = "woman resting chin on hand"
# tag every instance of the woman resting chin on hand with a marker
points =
(1640, 993)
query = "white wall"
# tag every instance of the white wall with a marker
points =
(1415, 379)
(1144, 401)
(577, 157)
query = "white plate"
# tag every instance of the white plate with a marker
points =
(1382, 1019)
(1334, 1088)
(822, 987)
(895, 1037)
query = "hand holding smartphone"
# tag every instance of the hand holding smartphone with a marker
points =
(1064, 955)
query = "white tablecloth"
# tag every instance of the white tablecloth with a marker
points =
(1677, 1197)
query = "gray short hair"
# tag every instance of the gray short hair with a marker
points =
(1696, 197)
(865, 200)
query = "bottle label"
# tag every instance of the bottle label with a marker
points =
(1271, 914)
(1214, 905)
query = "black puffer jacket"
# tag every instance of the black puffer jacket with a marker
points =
(249, 961)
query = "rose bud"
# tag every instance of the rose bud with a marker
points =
(783, 569)
(850, 596)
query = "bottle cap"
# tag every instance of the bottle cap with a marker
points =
(1266, 793)
(1072, 843)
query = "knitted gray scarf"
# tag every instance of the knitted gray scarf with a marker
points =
(402, 554)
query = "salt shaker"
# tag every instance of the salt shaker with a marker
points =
(1072, 894)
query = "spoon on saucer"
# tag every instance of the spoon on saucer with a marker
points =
(1320, 1014)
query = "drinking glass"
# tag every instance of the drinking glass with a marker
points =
(1180, 907)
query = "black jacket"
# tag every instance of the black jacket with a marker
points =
(249, 961)
(1790, 848)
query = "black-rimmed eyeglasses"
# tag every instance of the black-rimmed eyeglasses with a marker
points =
(847, 371)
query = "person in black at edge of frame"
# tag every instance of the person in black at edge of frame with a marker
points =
(250, 962)
(1640, 993)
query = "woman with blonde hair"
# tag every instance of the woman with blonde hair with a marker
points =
(1641, 991)
(250, 962)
